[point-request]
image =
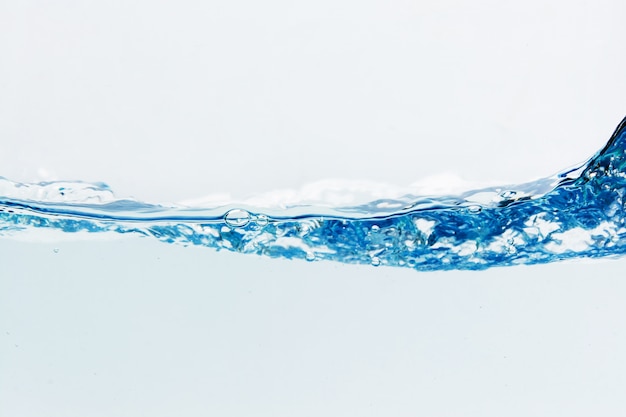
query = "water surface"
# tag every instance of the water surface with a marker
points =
(578, 213)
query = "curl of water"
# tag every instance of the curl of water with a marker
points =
(578, 213)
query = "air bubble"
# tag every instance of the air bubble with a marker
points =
(310, 256)
(474, 208)
(261, 220)
(509, 194)
(375, 228)
(237, 218)
(375, 261)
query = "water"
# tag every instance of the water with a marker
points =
(134, 327)
(578, 213)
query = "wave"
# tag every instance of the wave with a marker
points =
(578, 213)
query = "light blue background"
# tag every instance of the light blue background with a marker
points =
(173, 100)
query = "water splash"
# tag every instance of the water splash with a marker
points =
(578, 213)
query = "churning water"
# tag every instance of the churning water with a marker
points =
(578, 213)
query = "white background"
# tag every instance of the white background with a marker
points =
(174, 100)
(168, 100)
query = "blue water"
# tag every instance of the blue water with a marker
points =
(578, 213)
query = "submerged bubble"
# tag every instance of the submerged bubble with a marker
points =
(310, 256)
(237, 218)
(261, 220)
(375, 261)
(474, 208)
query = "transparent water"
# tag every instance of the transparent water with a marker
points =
(578, 213)
(133, 327)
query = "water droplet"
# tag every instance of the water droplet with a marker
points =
(375, 261)
(237, 218)
(310, 256)
(261, 220)
(55, 250)
(375, 228)
(474, 208)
